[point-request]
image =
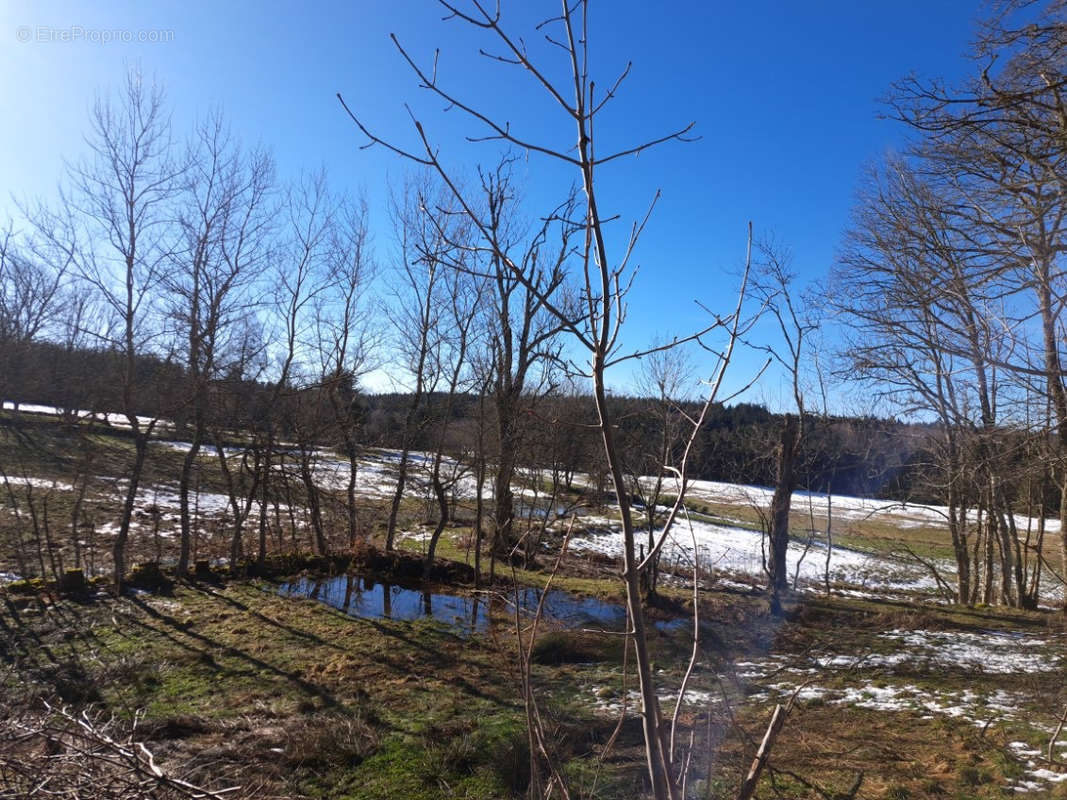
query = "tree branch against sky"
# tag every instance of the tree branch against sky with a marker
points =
(794, 150)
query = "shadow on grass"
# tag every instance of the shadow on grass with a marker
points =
(294, 678)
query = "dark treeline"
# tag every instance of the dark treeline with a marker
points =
(864, 456)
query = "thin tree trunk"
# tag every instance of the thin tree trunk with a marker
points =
(118, 550)
(185, 478)
(442, 517)
(314, 503)
(350, 494)
(651, 718)
(264, 486)
(479, 515)
(779, 511)
(398, 495)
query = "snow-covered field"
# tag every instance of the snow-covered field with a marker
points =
(730, 550)
(840, 507)
(39, 483)
(114, 419)
(740, 551)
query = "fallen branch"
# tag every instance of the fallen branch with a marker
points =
(748, 787)
(86, 758)
(942, 585)
(1056, 736)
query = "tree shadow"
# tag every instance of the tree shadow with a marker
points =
(209, 644)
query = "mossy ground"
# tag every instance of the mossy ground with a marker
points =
(326, 705)
(315, 703)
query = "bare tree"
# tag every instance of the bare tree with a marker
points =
(224, 220)
(344, 340)
(921, 300)
(666, 380)
(461, 296)
(301, 275)
(31, 300)
(524, 279)
(113, 225)
(299, 252)
(795, 325)
(603, 283)
(416, 321)
(997, 141)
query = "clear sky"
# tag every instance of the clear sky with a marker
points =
(784, 95)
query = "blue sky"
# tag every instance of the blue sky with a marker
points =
(784, 95)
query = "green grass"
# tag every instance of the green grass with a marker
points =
(325, 705)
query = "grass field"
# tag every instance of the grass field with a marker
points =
(231, 684)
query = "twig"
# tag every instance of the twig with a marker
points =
(1056, 735)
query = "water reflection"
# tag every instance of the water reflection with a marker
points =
(364, 598)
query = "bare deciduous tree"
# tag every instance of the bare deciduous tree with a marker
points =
(795, 325)
(994, 146)
(224, 220)
(31, 300)
(113, 227)
(344, 341)
(603, 283)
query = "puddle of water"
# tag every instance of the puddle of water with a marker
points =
(367, 599)
(363, 598)
(677, 624)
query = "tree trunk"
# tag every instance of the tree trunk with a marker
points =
(651, 719)
(398, 495)
(442, 517)
(504, 516)
(350, 494)
(479, 516)
(119, 548)
(184, 480)
(264, 485)
(779, 511)
(314, 503)
(956, 528)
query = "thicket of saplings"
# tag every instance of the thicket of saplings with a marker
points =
(860, 456)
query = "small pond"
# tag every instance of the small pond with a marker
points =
(368, 599)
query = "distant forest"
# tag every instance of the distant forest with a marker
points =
(865, 456)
